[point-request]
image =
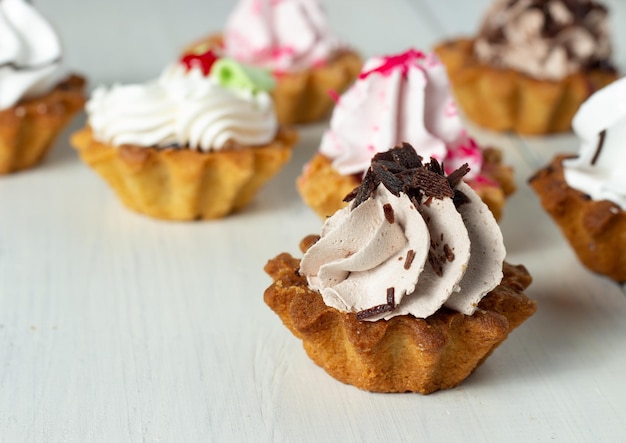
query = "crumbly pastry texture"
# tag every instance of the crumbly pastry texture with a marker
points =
(595, 229)
(305, 96)
(504, 99)
(184, 184)
(404, 354)
(29, 128)
(323, 188)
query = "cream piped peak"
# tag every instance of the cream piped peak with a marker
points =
(545, 39)
(600, 168)
(202, 102)
(411, 241)
(30, 53)
(399, 98)
(284, 36)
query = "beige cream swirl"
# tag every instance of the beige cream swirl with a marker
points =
(393, 254)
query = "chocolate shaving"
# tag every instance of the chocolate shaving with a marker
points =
(391, 297)
(449, 255)
(401, 169)
(596, 154)
(455, 177)
(379, 309)
(410, 256)
(371, 312)
(389, 214)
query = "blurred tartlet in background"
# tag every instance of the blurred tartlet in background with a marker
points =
(292, 39)
(531, 65)
(398, 98)
(196, 143)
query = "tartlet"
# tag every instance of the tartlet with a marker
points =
(420, 334)
(386, 107)
(585, 193)
(531, 65)
(37, 97)
(308, 75)
(204, 140)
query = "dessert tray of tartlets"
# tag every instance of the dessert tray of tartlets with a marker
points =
(309, 221)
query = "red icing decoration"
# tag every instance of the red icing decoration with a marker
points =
(392, 62)
(203, 61)
(334, 95)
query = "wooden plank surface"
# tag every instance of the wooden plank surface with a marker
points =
(115, 327)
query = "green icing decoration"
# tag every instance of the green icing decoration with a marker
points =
(233, 75)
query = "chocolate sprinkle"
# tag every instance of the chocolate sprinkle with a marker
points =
(389, 214)
(371, 312)
(410, 256)
(379, 309)
(596, 154)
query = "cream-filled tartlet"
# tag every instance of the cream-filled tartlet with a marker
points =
(399, 98)
(406, 289)
(293, 40)
(37, 95)
(198, 142)
(531, 65)
(586, 194)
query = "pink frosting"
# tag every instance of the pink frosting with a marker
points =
(281, 35)
(399, 98)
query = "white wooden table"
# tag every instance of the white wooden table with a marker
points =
(115, 327)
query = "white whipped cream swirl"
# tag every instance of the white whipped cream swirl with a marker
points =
(363, 254)
(183, 108)
(284, 36)
(600, 168)
(30, 53)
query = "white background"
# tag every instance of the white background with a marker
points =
(115, 327)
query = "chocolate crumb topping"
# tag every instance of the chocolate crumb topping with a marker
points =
(410, 256)
(448, 252)
(389, 214)
(401, 169)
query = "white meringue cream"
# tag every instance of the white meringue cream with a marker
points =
(600, 168)
(30, 53)
(182, 108)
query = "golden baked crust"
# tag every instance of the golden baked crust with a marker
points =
(507, 100)
(28, 129)
(303, 97)
(404, 353)
(323, 188)
(596, 230)
(183, 184)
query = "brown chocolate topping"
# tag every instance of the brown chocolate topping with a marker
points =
(448, 252)
(401, 170)
(389, 214)
(596, 155)
(375, 310)
(410, 256)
